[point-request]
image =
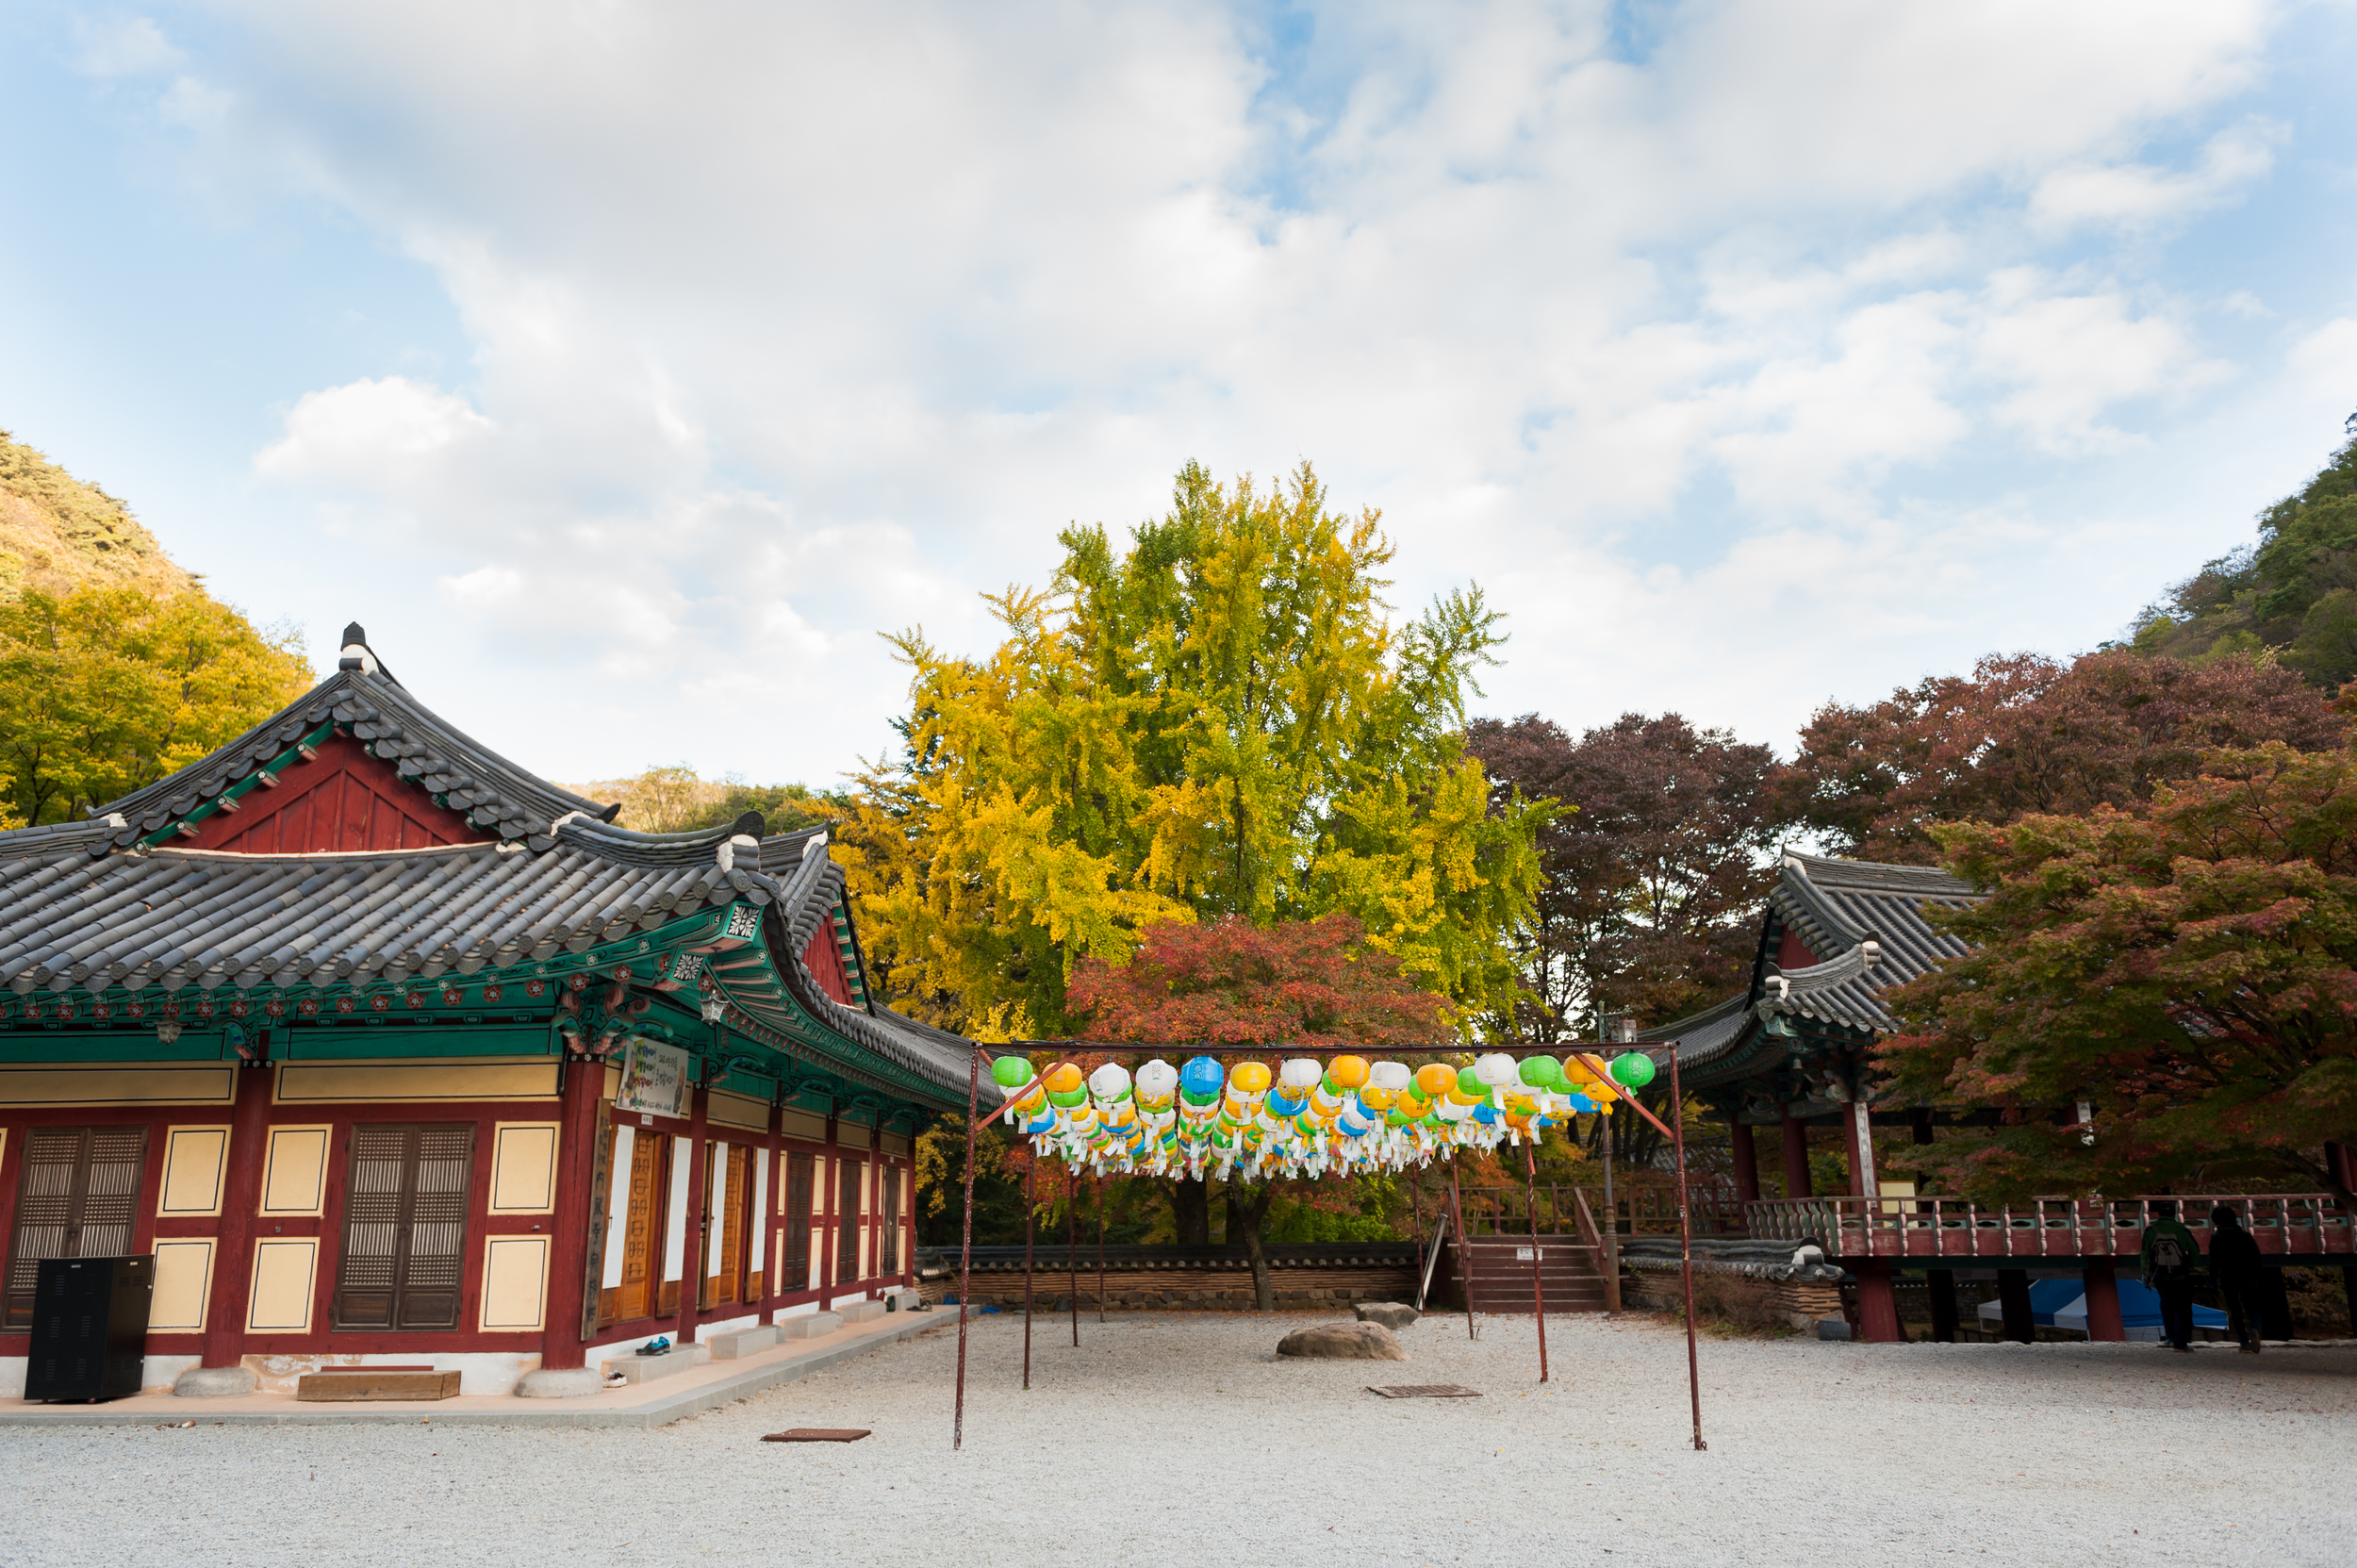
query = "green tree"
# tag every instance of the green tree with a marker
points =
(104, 689)
(2290, 590)
(2187, 967)
(1221, 720)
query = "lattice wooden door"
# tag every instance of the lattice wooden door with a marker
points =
(848, 1218)
(77, 1198)
(406, 1226)
(726, 1269)
(800, 1186)
(642, 1232)
(888, 1218)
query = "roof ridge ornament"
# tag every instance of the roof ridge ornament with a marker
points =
(356, 654)
(725, 856)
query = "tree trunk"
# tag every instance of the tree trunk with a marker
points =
(1246, 1219)
(1191, 1212)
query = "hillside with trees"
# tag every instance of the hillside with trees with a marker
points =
(116, 665)
(58, 534)
(2294, 590)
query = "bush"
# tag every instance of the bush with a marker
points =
(2319, 1302)
(1737, 1304)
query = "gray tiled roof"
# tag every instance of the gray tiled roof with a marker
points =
(207, 918)
(1708, 1034)
(1836, 907)
(84, 905)
(493, 793)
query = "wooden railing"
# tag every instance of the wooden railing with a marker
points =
(2283, 1225)
(1645, 1209)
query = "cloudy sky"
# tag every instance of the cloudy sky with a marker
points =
(626, 366)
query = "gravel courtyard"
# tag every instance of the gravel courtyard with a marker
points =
(1178, 1440)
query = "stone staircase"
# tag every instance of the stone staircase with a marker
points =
(1569, 1273)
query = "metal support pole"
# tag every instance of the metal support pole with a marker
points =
(1611, 1210)
(1099, 1184)
(966, 1252)
(1072, 1246)
(1537, 1289)
(1030, 1171)
(1685, 1245)
(1464, 1258)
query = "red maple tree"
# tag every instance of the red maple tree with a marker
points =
(1226, 984)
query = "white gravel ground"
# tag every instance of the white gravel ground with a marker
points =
(1177, 1440)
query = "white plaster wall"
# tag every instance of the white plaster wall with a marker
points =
(618, 1208)
(726, 1325)
(762, 1221)
(161, 1372)
(156, 1376)
(675, 1241)
(478, 1371)
(615, 1349)
(720, 1201)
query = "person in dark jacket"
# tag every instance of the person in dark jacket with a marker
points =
(2235, 1265)
(2169, 1255)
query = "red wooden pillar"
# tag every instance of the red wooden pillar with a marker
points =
(691, 1263)
(1796, 1157)
(561, 1344)
(773, 1244)
(831, 1185)
(1877, 1307)
(242, 1195)
(1746, 1160)
(2102, 1285)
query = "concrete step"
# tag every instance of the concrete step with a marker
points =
(646, 1369)
(740, 1343)
(810, 1326)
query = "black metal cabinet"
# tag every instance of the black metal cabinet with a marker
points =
(90, 1328)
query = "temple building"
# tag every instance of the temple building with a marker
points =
(389, 1051)
(1793, 1049)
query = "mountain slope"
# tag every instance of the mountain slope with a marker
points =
(58, 533)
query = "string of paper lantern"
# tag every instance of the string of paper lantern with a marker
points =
(1306, 1118)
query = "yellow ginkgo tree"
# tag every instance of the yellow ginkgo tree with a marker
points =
(1224, 718)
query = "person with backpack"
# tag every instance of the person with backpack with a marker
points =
(2234, 1264)
(2169, 1254)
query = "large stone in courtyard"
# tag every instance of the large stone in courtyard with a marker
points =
(1343, 1342)
(1392, 1314)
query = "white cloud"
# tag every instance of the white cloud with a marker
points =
(123, 46)
(373, 434)
(2137, 194)
(2070, 357)
(2324, 362)
(789, 324)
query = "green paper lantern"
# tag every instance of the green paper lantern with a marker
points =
(1634, 1069)
(1010, 1072)
(1542, 1072)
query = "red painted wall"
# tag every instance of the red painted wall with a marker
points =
(347, 799)
(826, 962)
(1792, 953)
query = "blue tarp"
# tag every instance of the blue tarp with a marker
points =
(2063, 1304)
